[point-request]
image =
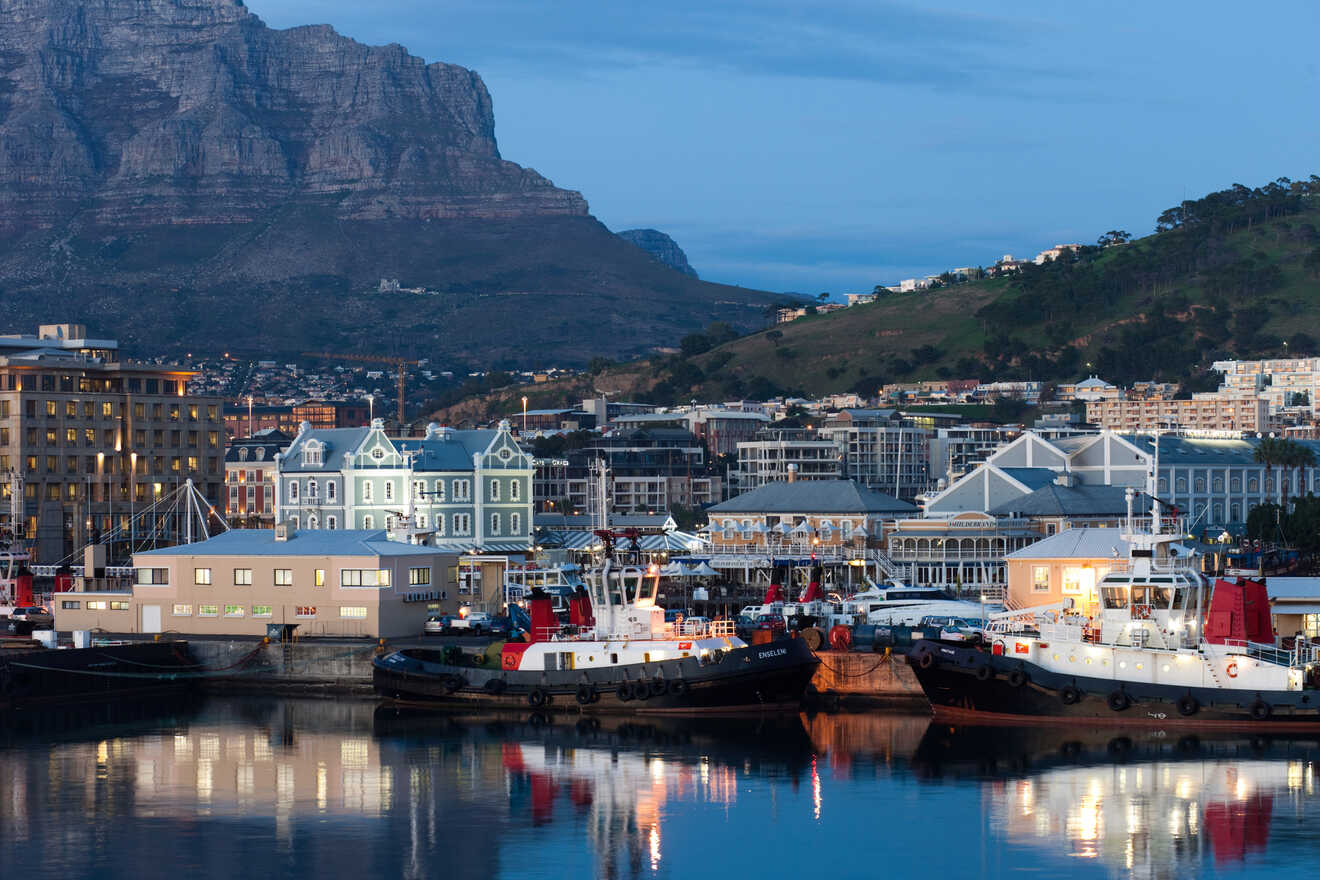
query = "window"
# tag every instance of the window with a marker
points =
(312, 521)
(312, 454)
(366, 490)
(494, 523)
(389, 490)
(319, 579)
(438, 494)
(419, 488)
(283, 577)
(515, 524)
(69, 605)
(208, 611)
(183, 611)
(364, 577)
(515, 490)
(440, 524)
(120, 605)
(153, 577)
(261, 611)
(311, 490)
(368, 522)
(235, 611)
(1040, 578)
(293, 491)
(304, 611)
(494, 490)
(462, 524)
(97, 605)
(462, 490)
(329, 490)
(331, 523)
(354, 612)
(202, 576)
(419, 577)
(242, 577)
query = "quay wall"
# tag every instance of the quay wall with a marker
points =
(305, 667)
(858, 679)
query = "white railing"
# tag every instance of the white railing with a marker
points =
(1062, 632)
(711, 629)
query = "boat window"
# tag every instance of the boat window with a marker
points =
(1159, 580)
(1180, 596)
(1114, 597)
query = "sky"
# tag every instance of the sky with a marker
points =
(835, 145)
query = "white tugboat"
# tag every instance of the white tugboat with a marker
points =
(1167, 646)
(617, 653)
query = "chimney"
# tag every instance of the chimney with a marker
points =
(283, 531)
(792, 472)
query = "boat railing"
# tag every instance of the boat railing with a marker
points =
(1062, 632)
(711, 629)
(1255, 650)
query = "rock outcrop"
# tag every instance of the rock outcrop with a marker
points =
(150, 112)
(659, 246)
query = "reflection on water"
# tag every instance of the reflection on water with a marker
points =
(344, 789)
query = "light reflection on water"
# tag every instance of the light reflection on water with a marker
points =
(343, 789)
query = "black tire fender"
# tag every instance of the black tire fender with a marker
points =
(678, 688)
(659, 687)
(624, 692)
(586, 694)
(1070, 695)
(641, 690)
(984, 672)
(1118, 701)
(538, 698)
(1261, 710)
(926, 660)
(1188, 705)
(1018, 677)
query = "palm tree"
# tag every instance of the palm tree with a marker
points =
(1269, 452)
(1295, 456)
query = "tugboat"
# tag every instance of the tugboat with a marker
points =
(616, 654)
(1167, 648)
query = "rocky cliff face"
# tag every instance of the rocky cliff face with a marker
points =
(130, 113)
(659, 246)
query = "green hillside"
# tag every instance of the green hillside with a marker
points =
(1233, 274)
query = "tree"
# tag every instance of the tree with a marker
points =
(822, 298)
(1273, 451)
(1264, 521)
(1296, 456)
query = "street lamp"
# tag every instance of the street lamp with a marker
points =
(524, 403)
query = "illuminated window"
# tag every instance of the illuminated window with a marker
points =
(242, 577)
(1040, 578)
(235, 611)
(261, 610)
(153, 577)
(202, 576)
(320, 577)
(355, 612)
(96, 605)
(183, 611)
(419, 577)
(305, 611)
(283, 577)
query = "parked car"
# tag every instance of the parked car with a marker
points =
(773, 622)
(955, 629)
(474, 622)
(30, 618)
(501, 627)
(436, 624)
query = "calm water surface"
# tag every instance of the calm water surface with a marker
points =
(261, 787)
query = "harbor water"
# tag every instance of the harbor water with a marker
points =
(252, 786)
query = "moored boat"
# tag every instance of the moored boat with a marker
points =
(617, 653)
(1166, 647)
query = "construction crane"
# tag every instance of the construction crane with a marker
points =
(399, 363)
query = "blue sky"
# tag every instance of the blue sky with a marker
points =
(834, 145)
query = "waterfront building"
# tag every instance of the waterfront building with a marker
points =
(250, 477)
(242, 420)
(962, 553)
(88, 438)
(777, 455)
(881, 450)
(468, 490)
(1067, 565)
(353, 582)
(1211, 411)
(955, 450)
(1091, 388)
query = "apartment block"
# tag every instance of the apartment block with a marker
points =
(1215, 411)
(89, 439)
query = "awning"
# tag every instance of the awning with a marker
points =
(1295, 608)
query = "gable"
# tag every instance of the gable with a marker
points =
(1029, 450)
(504, 454)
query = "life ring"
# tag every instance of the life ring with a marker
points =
(1141, 612)
(678, 687)
(623, 692)
(586, 694)
(1070, 695)
(1261, 710)
(1231, 669)
(510, 660)
(1118, 701)
(1188, 705)
(1018, 677)
(926, 660)
(538, 698)
(984, 672)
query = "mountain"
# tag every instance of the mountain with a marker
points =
(659, 246)
(1233, 274)
(176, 173)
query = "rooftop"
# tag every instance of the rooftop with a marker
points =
(312, 542)
(1077, 544)
(813, 496)
(1081, 500)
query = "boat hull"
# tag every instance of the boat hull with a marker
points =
(33, 678)
(966, 684)
(758, 678)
